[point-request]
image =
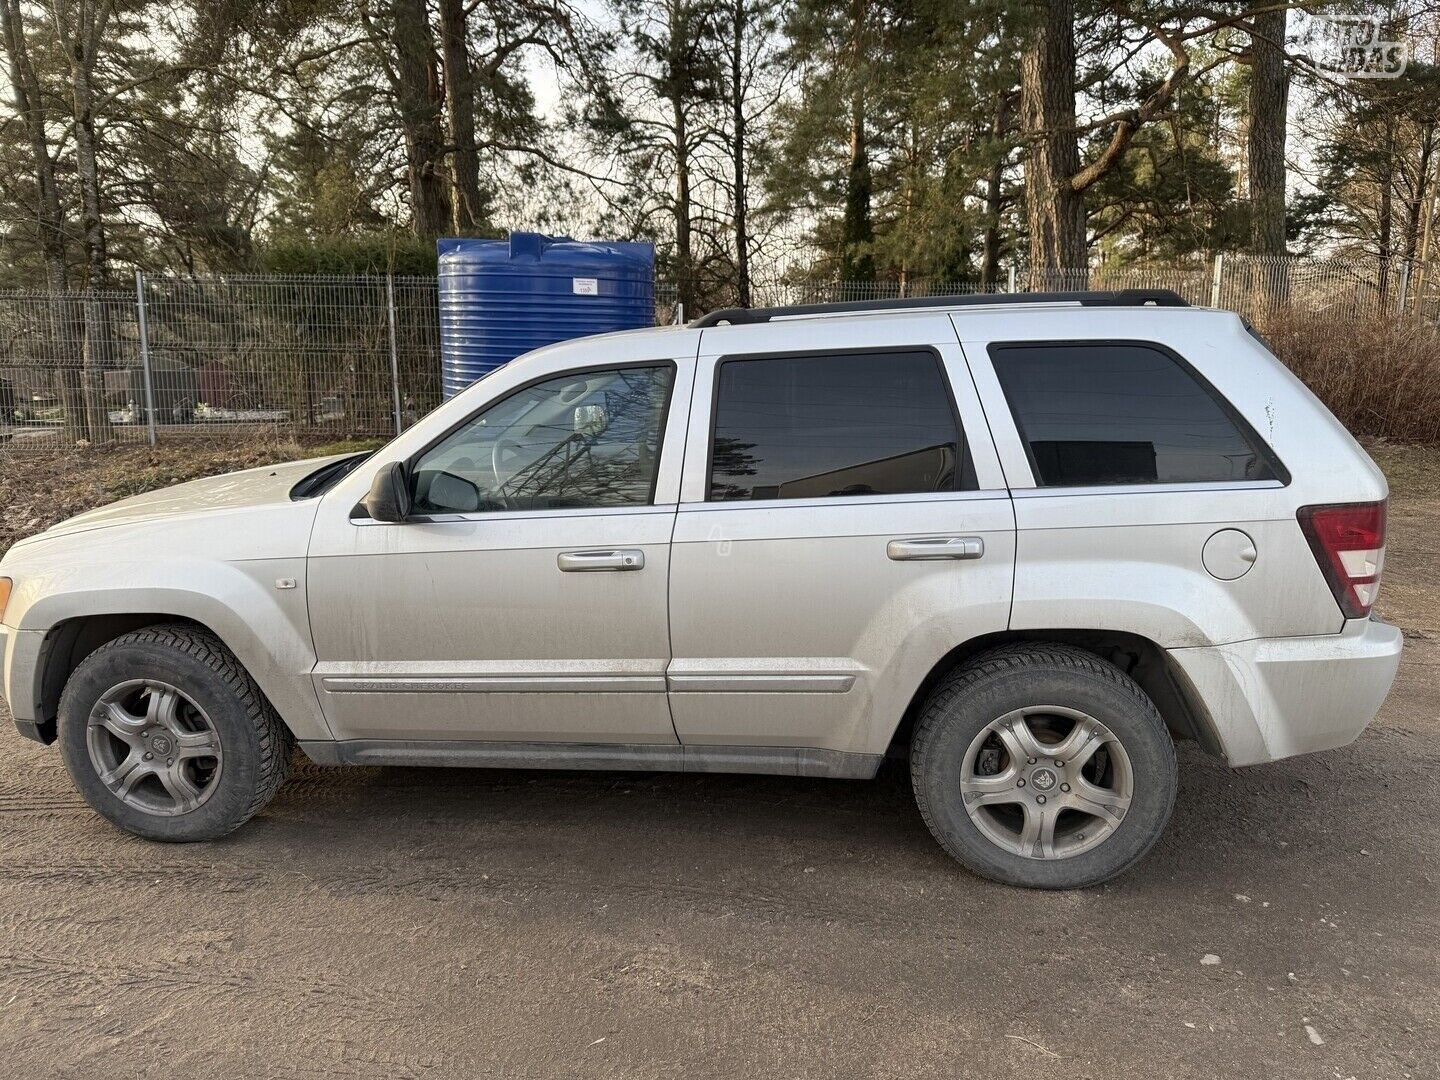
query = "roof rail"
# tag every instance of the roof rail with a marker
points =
(1113, 298)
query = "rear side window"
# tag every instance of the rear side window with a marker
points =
(802, 427)
(1123, 413)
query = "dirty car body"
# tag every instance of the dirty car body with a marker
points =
(980, 536)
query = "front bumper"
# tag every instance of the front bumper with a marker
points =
(1273, 698)
(19, 679)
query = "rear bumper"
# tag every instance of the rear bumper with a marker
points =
(1273, 698)
(19, 667)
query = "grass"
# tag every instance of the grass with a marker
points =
(1379, 379)
(1413, 471)
(344, 446)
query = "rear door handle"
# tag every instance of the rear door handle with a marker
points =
(936, 547)
(580, 562)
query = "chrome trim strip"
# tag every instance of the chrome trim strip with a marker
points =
(494, 684)
(525, 515)
(847, 500)
(1149, 489)
(761, 684)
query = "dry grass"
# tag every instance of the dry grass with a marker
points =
(1380, 380)
(37, 489)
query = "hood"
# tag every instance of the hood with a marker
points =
(266, 485)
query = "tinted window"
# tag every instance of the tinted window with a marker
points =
(800, 427)
(1121, 414)
(590, 439)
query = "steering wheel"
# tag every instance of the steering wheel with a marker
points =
(505, 457)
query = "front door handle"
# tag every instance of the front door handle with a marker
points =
(580, 562)
(936, 547)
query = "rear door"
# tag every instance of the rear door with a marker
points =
(843, 525)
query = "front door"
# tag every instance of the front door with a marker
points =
(525, 599)
(843, 526)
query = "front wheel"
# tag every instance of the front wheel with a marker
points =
(1043, 766)
(165, 734)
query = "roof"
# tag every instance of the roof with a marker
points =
(1115, 298)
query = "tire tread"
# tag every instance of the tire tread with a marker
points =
(274, 739)
(1010, 659)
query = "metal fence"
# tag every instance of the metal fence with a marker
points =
(321, 359)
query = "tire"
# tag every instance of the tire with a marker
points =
(1098, 737)
(171, 689)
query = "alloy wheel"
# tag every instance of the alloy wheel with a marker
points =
(154, 748)
(1046, 782)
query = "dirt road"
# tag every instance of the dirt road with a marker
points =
(395, 923)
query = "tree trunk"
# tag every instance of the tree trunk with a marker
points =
(1422, 283)
(81, 43)
(737, 153)
(87, 172)
(29, 107)
(1415, 207)
(65, 335)
(1054, 208)
(1265, 157)
(418, 98)
(1384, 241)
(468, 210)
(99, 353)
(994, 193)
(99, 358)
(684, 246)
(679, 41)
(857, 260)
(1269, 96)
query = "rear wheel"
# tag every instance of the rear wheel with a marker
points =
(1043, 766)
(167, 736)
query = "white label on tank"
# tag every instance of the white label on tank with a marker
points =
(585, 286)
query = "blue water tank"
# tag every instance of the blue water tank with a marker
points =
(501, 298)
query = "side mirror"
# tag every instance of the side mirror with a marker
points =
(389, 498)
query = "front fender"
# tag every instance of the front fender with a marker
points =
(256, 607)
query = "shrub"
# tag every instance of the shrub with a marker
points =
(1380, 379)
(367, 253)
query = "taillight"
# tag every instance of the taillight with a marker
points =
(1349, 544)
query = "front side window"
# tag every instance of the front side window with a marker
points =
(1122, 413)
(797, 427)
(586, 439)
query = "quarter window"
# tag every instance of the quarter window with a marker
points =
(586, 439)
(796, 427)
(1122, 413)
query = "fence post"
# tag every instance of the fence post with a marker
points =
(1012, 277)
(1403, 293)
(394, 350)
(1215, 281)
(143, 326)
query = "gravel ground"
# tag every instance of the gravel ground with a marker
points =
(402, 922)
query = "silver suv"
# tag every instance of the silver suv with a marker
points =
(1023, 543)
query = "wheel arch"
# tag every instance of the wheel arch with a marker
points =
(69, 640)
(1177, 701)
